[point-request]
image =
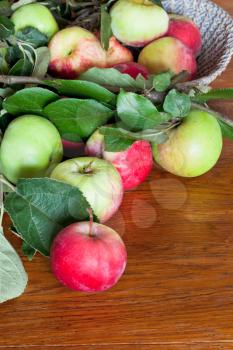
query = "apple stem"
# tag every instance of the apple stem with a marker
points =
(219, 116)
(90, 212)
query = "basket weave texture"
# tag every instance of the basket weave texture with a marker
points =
(216, 26)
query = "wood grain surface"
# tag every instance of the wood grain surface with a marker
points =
(177, 292)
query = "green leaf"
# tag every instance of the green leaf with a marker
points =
(76, 118)
(6, 27)
(13, 54)
(32, 36)
(157, 2)
(22, 67)
(80, 88)
(214, 94)
(12, 274)
(28, 251)
(137, 112)
(29, 101)
(161, 82)
(5, 119)
(177, 104)
(112, 77)
(117, 139)
(227, 130)
(41, 62)
(40, 208)
(105, 27)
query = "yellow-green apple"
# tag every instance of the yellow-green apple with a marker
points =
(134, 164)
(73, 50)
(168, 54)
(137, 22)
(133, 69)
(88, 257)
(184, 29)
(193, 148)
(37, 16)
(31, 147)
(98, 180)
(117, 53)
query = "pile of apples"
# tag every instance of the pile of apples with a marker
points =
(88, 256)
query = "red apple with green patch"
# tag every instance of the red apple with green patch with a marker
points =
(168, 54)
(184, 29)
(138, 22)
(88, 257)
(134, 164)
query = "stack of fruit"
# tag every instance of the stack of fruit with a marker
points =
(114, 104)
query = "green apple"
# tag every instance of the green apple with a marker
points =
(193, 148)
(37, 16)
(97, 179)
(31, 147)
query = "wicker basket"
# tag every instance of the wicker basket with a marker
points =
(216, 27)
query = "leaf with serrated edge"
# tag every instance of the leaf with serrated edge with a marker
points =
(138, 112)
(162, 81)
(77, 118)
(40, 208)
(214, 94)
(81, 88)
(13, 278)
(112, 77)
(29, 101)
(177, 104)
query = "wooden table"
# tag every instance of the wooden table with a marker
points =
(177, 292)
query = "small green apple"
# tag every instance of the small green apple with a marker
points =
(193, 148)
(37, 16)
(31, 147)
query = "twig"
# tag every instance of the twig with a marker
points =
(218, 115)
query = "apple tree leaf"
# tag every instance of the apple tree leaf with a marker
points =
(77, 119)
(177, 104)
(40, 208)
(6, 27)
(227, 130)
(28, 251)
(22, 67)
(138, 112)
(105, 27)
(13, 278)
(41, 62)
(162, 81)
(80, 88)
(29, 101)
(112, 77)
(32, 36)
(214, 94)
(118, 139)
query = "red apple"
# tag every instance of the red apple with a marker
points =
(88, 257)
(133, 69)
(184, 29)
(73, 50)
(133, 164)
(117, 53)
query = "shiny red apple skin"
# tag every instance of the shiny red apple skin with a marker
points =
(133, 69)
(185, 30)
(88, 263)
(133, 164)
